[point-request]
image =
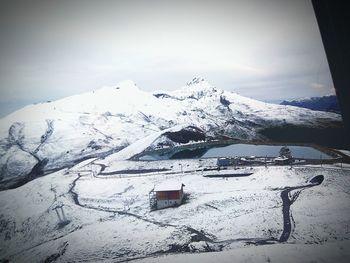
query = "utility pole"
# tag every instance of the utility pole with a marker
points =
(181, 168)
(62, 219)
(341, 163)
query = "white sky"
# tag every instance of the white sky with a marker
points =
(265, 49)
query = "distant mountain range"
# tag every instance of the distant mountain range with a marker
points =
(48, 136)
(324, 103)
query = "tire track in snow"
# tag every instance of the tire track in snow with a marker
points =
(287, 203)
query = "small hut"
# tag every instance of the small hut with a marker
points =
(167, 194)
(282, 160)
(227, 161)
(223, 161)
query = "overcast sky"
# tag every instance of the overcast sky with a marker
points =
(265, 49)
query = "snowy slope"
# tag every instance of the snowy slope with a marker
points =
(98, 123)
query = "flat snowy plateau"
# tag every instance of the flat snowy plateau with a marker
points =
(273, 215)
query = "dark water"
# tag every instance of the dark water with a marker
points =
(239, 150)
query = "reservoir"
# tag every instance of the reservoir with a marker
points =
(234, 150)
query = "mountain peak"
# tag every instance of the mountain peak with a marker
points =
(197, 88)
(127, 84)
(196, 80)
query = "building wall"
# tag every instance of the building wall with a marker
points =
(164, 201)
(168, 203)
(168, 195)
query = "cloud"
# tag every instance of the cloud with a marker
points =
(317, 85)
(52, 49)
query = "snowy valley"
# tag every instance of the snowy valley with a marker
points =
(75, 190)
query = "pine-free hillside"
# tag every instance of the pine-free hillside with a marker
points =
(40, 138)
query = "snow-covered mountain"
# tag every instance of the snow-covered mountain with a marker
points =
(52, 135)
(325, 103)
